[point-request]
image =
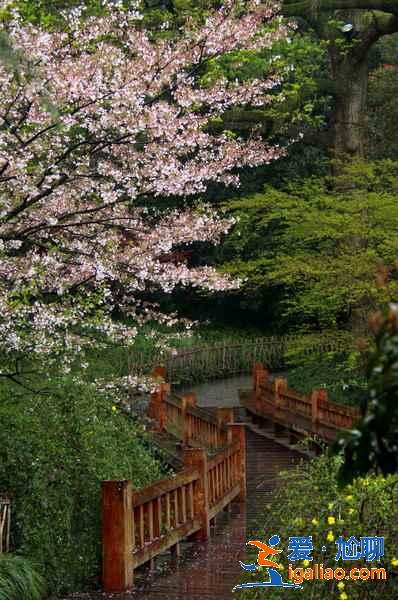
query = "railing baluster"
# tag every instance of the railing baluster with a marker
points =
(150, 521)
(190, 500)
(184, 503)
(157, 517)
(176, 511)
(168, 512)
(141, 526)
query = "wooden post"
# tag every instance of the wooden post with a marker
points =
(238, 432)
(153, 408)
(225, 415)
(186, 422)
(117, 536)
(280, 384)
(261, 375)
(159, 372)
(163, 391)
(191, 399)
(156, 408)
(197, 457)
(314, 406)
(257, 369)
(316, 396)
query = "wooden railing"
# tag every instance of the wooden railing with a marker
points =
(311, 414)
(229, 358)
(181, 417)
(226, 473)
(137, 525)
(5, 523)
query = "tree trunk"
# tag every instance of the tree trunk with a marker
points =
(350, 109)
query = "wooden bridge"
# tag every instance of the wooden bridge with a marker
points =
(209, 448)
(226, 358)
(299, 415)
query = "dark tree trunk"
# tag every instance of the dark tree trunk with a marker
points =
(350, 109)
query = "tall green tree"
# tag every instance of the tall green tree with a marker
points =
(350, 28)
(308, 254)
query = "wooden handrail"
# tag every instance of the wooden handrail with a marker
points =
(313, 414)
(179, 416)
(140, 524)
(165, 486)
(229, 357)
(223, 478)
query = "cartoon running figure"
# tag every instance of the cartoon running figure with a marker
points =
(275, 578)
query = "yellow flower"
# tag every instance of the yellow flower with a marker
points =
(331, 520)
(343, 596)
(114, 408)
(394, 562)
(315, 521)
(330, 536)
(306, 562)
(350, 511)
(341, 585)
(349, 498)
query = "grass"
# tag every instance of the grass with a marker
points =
(19, 580)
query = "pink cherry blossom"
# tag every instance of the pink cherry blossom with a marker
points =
(99, 121)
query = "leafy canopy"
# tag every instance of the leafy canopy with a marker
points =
(313, 248)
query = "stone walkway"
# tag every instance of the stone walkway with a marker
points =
(223, 392)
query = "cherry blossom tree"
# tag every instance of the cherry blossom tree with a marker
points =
(95, 122)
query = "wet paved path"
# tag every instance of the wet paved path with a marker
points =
(210, 570)
(219, 392)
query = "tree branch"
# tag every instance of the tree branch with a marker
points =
(293, 8)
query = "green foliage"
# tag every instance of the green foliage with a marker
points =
(382, 113)
(301, 60)
(345, 385)
(384, 52)
(309, 502)
(312, 250)
(374, 441)
(165, 17)
(327, 360)
(19, 579)
(55, 449)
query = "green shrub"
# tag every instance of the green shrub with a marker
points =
(327, 360)
(343, 386)
(19, 580)
(374, 441)
(309, 502)
(55, 449)
(308, 254)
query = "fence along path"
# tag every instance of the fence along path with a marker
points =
(309, 415)
(140, 524)
(228, 358)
